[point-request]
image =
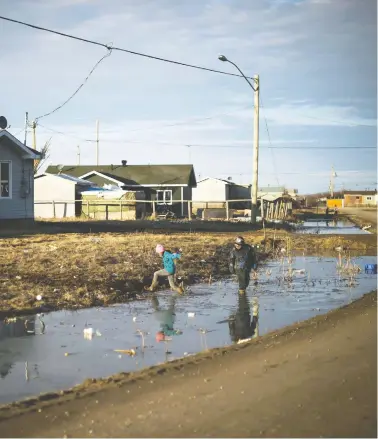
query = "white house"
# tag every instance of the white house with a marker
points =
(214, 192)
(55, 195)
(16, 178)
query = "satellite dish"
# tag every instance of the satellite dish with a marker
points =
(3, 122)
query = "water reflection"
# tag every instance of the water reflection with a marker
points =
(166, 318)
(13, 328)
(243, 323)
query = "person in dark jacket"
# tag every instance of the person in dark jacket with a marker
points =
(241, 324)
(242, 260)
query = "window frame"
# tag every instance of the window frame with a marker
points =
(9, 180)
(164, 201)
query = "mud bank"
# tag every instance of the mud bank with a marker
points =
(314, 378)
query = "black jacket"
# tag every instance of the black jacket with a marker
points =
(243, 259)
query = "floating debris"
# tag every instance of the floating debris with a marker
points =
(130, 352)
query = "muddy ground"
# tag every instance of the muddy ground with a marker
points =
(317, 378)
(74, 270)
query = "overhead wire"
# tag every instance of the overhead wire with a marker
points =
(270, 143)
(119, 49)
(78, 89)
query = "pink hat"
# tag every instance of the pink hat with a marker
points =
(160, 248)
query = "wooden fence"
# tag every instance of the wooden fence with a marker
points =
(140, 209)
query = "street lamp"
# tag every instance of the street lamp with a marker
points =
(256, 90)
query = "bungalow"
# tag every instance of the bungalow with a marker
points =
(166, 184)
(16, 178)
(360, 198)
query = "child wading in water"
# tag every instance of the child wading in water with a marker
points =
(168, 271)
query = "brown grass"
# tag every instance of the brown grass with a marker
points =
(81, 270)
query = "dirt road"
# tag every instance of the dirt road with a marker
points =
(317, 378)
(367, 215)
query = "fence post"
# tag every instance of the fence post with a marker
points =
(106, 212)
(120, 208)
(153, 209)
(189, 211)
(53, 206)
(88, 208)
(227, 212)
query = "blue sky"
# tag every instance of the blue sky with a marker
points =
(317, 61)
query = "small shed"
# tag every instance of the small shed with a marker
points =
(276, 207)
(213, 193)
(58, 195)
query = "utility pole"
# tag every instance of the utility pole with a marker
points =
(255, 149)
(331, 184)
(34, 126)
(97, 142)
(78, 155)
(26, 127)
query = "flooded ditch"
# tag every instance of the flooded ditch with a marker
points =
(330, 227)
(59, 350)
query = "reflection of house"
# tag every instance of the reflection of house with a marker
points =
(52, 190)
(214, 192)
(166, 184)
(276, 191)
(363, 198)
(16, 178)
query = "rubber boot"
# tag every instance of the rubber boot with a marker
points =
(153, 287)
(179, 290)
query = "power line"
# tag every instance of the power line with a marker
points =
(79, 88)
(120, 49)
(270, 143)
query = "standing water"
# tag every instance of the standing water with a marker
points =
(330, 227)
(61, 349)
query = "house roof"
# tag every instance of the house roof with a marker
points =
(66, 177)
(218, 179)
(30, 153)
(360, 192)
(136, 175)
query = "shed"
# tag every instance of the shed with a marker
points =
(57, 195)
(214, 192)
(16, 178)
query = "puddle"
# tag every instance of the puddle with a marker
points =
(331, 227)
(36, 363)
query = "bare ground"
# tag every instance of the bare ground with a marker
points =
(317, 378)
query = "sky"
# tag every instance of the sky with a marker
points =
(317, 62)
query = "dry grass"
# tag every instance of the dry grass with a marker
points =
(81, 270)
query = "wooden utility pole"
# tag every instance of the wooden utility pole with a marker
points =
(255, 150)
(97, 142)
(26, 127)
(331, 184)
(78, 155)
(34, 126)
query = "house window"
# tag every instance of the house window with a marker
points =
(357, 198)
(164, 197)
(368, 198)
(5, 182)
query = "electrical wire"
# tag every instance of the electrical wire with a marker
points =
(270, 143)
(120, 49)
(79, 88)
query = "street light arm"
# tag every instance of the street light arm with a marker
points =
(253, 88)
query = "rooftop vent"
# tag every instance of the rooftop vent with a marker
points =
(124, 162)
